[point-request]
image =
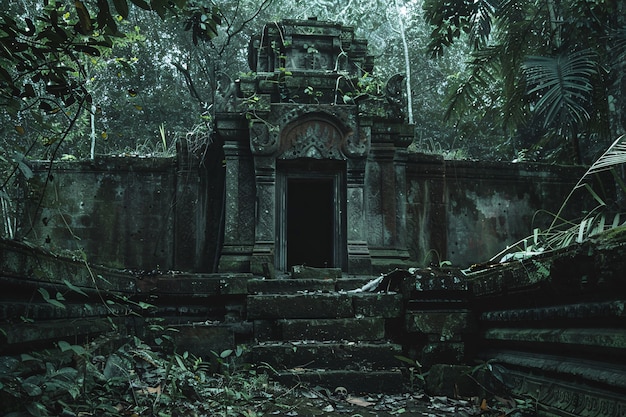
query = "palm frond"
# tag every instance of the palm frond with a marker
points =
(563, 84)
(620, 45)
(562, 232)
(615, 155)
(468, 90)
(481, 21)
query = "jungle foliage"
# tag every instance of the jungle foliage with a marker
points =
(510, 79)
(547, 73)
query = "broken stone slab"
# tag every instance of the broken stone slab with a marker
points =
(308, 272)
(353, 329)
(445, 324)
(304, 306)
(355, 382)
(386, 305)
(286, 286)
(328, 355)
(451, 381)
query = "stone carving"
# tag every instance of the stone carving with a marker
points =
(396, 96)
(357, 146)
(263, 140)
(225, 93)
(315, 139)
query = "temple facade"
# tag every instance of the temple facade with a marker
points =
(315, 154)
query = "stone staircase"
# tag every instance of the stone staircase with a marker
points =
(316, 331)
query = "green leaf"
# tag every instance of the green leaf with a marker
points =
(180, 363)
(26, 357)
(44, 293)
(74, 288)
(226, 353)
(64, 346)
(31, 389)
(122, 7)
(141, 4)
(37, 409)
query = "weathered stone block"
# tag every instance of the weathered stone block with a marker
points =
(202, 340)
(378, 304)
(445, 324)
(303, 306)
(266, 330)
(369, 328)
(451, 381)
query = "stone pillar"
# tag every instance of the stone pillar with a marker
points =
(359, 260)
(239, 216)
(265, 214)
(386, 198)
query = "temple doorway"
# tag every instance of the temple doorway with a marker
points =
(311, 221)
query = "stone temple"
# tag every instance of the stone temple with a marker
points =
(315, 154)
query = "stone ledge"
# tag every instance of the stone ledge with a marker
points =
(608, 309)
(198, 285)
(601, 338)
(608, 374)
(285, 286)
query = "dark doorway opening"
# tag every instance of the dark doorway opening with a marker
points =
(310, 222)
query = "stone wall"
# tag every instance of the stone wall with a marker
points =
(127, 212)
(166, 213)
(466, 211)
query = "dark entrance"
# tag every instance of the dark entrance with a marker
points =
(310, 222)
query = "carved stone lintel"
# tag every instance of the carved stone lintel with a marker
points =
(314, 138)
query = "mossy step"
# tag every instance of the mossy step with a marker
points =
(328, 355)
(323, 305)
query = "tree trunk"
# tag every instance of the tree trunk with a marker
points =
(407, 65)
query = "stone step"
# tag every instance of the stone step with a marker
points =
(348, 329)
(323, 305)
(355, 382)
(294, 285)
(352, 329)
(328, 355)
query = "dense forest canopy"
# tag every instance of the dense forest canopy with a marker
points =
(492, 79)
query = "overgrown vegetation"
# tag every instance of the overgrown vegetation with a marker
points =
(603, 215)
(136, 379)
